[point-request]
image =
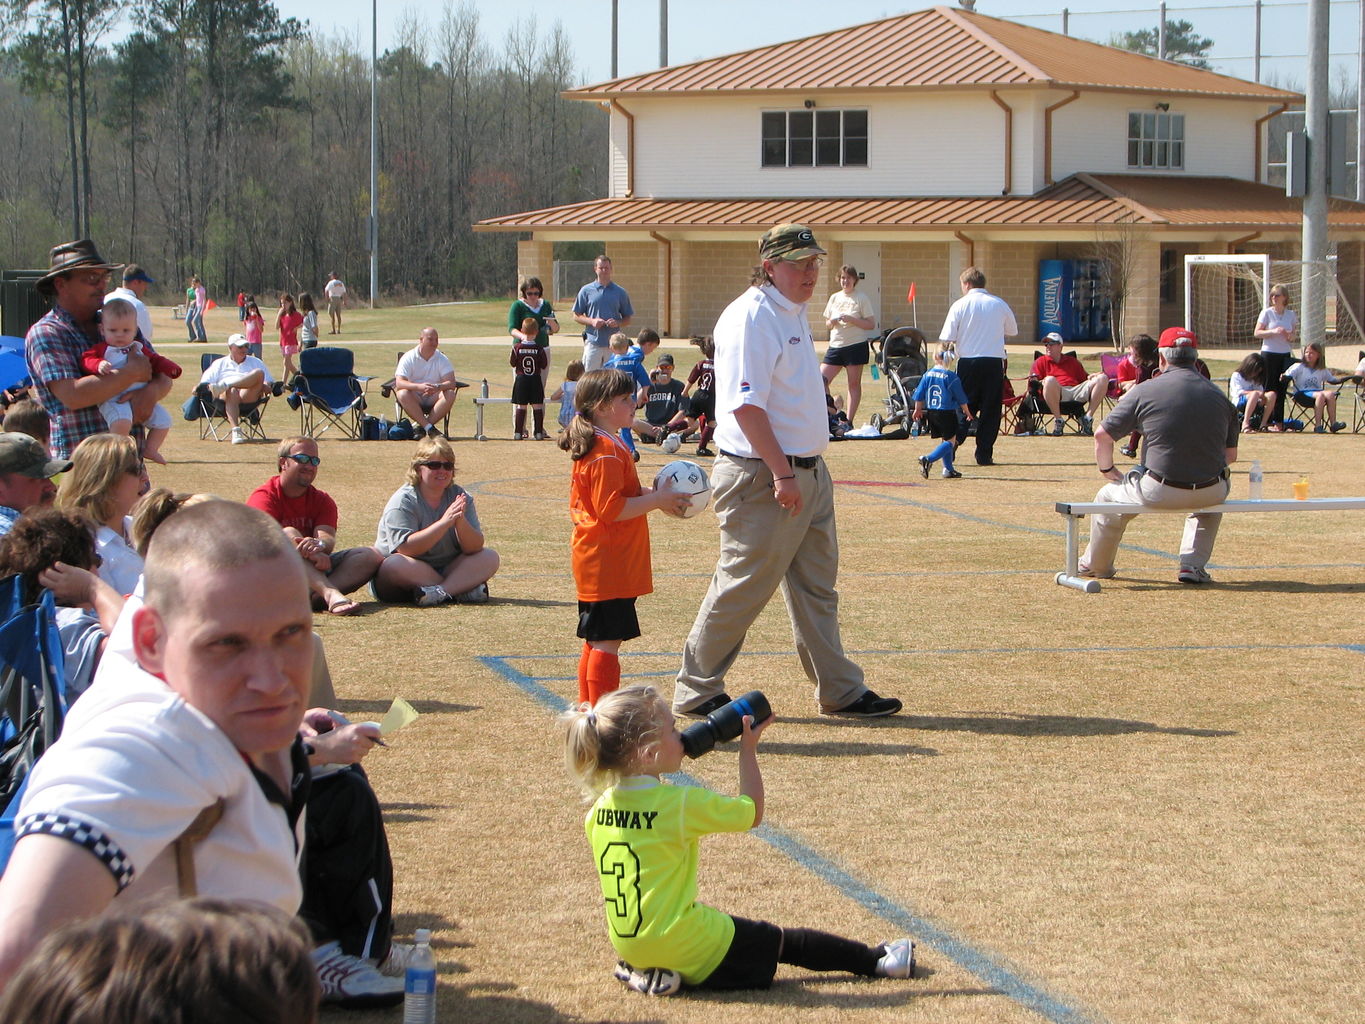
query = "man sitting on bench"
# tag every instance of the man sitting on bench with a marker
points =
(1189, 437)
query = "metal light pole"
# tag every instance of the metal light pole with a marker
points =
(374, 151)
(1313, 281)
(663, 33)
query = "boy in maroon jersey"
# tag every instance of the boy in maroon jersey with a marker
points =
(699, 406)
(528, 384)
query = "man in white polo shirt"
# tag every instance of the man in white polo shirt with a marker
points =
(239, 380)
(200, 728)
(135, 282)
(978, 323)
(424, 383)
(773, 491)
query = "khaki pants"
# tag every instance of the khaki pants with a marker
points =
(1196, 545)
(764, 548)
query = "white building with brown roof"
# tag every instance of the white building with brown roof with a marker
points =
(917, 145)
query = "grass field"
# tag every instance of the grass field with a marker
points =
(1142, 805)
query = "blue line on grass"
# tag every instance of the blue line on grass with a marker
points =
(983, 965)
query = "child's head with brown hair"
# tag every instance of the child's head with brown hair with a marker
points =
(28, 417)
(595, 389)
(531, 328)
(608, 741)
(706, 343)
(574, 370)
(202, 959)
(619, 343)
(648, 340)
(306, 303)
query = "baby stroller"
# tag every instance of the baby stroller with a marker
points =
(899, 356)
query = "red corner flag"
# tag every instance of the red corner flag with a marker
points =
(910, 295)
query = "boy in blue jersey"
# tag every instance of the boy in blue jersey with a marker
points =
(939, 398)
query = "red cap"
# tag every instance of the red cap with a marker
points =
(1173, 336)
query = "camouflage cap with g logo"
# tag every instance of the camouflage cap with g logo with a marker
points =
(789, 242)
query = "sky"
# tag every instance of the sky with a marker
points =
(708, 28)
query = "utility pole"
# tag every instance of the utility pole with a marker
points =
(373, 233)
(1313, 306)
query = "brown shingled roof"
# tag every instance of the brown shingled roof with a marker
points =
(933, 49)
(1081, 200)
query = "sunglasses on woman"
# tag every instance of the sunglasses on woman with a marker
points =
(449, 467)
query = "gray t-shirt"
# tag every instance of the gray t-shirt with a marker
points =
(408, 512)
(1187, 424)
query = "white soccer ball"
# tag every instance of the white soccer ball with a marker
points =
(671, 443)
(685, 478)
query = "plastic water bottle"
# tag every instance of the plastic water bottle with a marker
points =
(1256, 479)
(419, 983)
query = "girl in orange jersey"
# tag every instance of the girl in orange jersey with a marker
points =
(610, 547)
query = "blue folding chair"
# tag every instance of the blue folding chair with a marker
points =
(326, 391)
(32, 694)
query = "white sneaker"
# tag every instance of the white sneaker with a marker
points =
(898, 961)
(395, 965)
(1193, 574)
(653, 981)
(237, 436)
(432, 595)
(671, 444)
(350, 981)
(478, 595)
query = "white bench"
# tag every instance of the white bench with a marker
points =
(1074, 511)
(480, 401)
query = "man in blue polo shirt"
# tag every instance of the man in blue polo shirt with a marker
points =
(603, 308)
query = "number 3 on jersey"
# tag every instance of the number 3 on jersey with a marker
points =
(620, 871)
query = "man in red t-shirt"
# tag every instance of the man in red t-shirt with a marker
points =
(309, 518)
(1064, 380)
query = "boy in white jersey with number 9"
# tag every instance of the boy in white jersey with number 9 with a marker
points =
(644, 837)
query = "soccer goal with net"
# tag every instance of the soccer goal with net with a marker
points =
(1225, 294)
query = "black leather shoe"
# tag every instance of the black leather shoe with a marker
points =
(869, 705)
(707, 706)
(987, 461)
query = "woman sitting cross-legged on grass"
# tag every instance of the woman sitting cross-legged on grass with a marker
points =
(429, 534)
(644, 837)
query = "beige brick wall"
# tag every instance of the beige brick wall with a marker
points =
(636, 268)
(537, 259)
(1011, 270)
(926, 264)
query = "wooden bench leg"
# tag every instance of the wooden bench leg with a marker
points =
(1069, 577)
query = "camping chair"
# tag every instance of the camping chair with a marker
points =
(387, 391)
(1037, 411)
(32, 694)
(212, 413)
(327, 391)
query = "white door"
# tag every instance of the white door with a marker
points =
(867, 258)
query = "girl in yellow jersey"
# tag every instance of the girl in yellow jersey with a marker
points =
(644, 837)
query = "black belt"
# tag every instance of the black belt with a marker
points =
(798, 461)
(1184, 486)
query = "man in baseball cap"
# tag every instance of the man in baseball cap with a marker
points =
(773, 492)
(54, 345)
(26, 474)
(1189, 436)
(135, 282)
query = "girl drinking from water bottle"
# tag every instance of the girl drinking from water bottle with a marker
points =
(644, 836)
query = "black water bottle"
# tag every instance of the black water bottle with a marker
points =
(725, 723)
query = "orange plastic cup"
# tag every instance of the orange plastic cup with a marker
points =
(1300, 489)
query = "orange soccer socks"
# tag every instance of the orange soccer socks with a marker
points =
(599, 673)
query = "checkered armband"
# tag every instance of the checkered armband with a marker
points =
(91, 837)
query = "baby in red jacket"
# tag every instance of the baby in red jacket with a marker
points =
(118, 327)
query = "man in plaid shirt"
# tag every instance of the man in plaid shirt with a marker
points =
(72, 397)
